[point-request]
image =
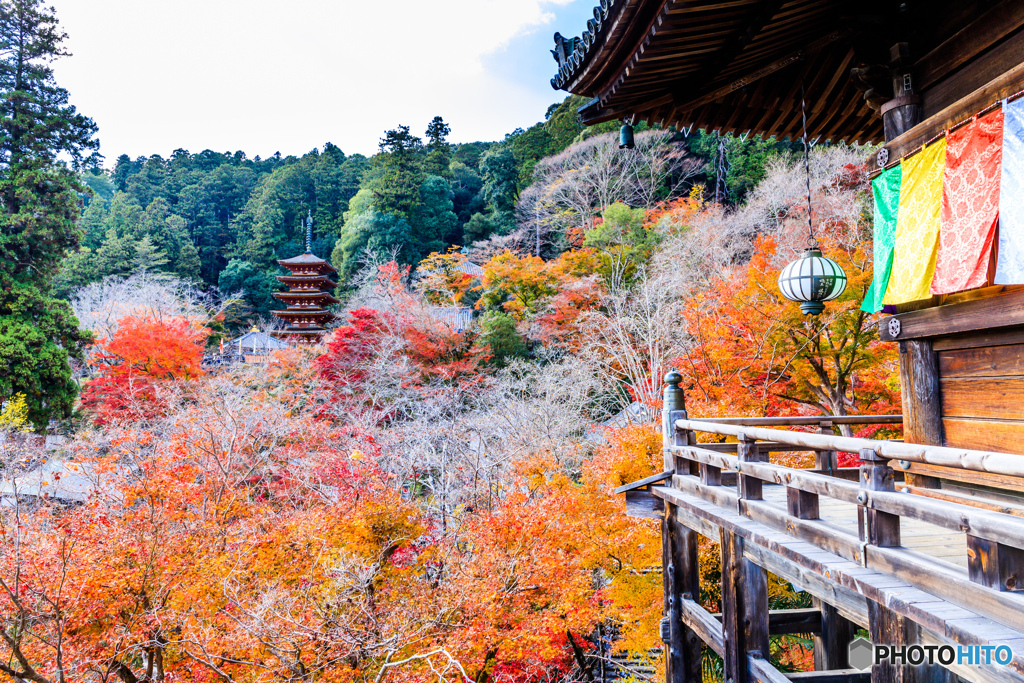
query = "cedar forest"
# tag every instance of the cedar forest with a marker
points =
(407, 501)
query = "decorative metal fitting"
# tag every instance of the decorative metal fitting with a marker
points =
(883, 157)
(862, 498)
(895, 327)
(663, 628)
(904, 464)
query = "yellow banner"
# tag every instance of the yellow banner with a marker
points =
(917, 225)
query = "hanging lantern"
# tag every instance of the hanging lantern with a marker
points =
(626, 137)
(812, 279)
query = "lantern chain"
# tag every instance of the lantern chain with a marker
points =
(812, 243)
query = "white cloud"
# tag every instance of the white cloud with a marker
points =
(263, 75)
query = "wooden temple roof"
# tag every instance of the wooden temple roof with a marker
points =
(307, 260)
(739, 65)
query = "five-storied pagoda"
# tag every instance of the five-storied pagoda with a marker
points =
(308, 281)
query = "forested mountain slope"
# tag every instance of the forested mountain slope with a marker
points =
(223, 219)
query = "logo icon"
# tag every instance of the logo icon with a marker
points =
(861, 653)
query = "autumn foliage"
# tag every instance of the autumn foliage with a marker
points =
(390, 506)
(143, 356)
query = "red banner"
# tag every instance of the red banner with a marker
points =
(970, 204)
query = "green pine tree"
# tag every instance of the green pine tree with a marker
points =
(439, 152)
(188, 264)
(147, 256)
(396, 173)
(39, 208)
(115, 256)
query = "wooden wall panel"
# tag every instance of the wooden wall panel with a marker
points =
(985, 435)
(984, 397)
(991, 361)
(983, 393)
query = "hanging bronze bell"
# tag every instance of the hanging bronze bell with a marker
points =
(626, 137)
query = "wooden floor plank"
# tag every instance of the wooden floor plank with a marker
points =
(917, 535)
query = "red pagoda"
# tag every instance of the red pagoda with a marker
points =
(308, 281)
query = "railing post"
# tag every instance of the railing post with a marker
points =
(744, 608)
(802, 504)
(674, 408)
(876, 527)
(748, 487)
(885, 627)
(995, 565)
(826, 461)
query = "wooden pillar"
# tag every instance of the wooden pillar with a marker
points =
(832, 645)
(885, 627)
(744, 608)
(679, 560)
(922, 400)
(681, 580)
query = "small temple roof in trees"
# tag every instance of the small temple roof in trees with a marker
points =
(256, 341)
(739, 65)
(470, 268)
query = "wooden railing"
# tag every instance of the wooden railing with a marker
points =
(901, 595)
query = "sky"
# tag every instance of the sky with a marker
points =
(264, 76)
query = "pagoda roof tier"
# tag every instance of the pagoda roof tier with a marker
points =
(316, 295)
(309, 262)
(299, 313)
(307, 336)
(297, 281)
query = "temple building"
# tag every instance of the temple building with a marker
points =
(308, 282)
(921, 544)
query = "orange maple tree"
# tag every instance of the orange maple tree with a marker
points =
(755, 353)
(136, 361)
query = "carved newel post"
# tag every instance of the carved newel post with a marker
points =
(679, 563)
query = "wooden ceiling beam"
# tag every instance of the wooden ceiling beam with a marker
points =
(820, 73)
(1001, 20)
(690, 8)
(754, 76)
(732, 49)
(848, 109)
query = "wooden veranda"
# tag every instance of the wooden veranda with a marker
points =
(943, 567)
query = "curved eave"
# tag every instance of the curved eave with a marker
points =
(310, 313)
(733, 66)
(630, 25)
(319, 267)
(318, 281)
(319, 297)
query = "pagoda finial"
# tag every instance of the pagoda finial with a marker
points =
(309, 232)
